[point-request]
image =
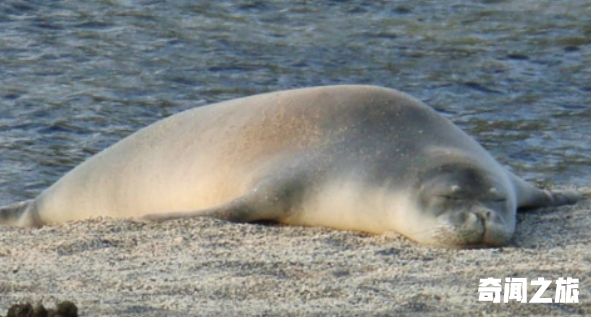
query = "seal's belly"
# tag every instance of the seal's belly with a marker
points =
(353, 205)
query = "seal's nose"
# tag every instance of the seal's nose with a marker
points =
(483, 214)
(491, 228)
(477, 218)
(476, 222)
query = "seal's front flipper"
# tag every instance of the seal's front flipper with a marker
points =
(262, 203)
(549, 198)
(529, 196)
(238, 210)
(563, 197)
(20, 214)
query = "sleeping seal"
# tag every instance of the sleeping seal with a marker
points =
(348, 157)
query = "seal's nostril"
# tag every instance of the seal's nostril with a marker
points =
(483, 214)
(475, 218)
(478, 218)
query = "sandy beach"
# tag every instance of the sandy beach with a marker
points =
(77, 76)
(208, 267)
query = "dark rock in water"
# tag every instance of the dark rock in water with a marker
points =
(63, 309)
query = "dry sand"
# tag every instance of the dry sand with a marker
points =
(208, 267)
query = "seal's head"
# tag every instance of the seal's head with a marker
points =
(463, 205)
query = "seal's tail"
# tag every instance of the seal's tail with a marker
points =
(11, 214)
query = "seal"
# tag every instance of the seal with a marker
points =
(349, 157)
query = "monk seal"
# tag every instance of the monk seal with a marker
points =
(349, 157)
